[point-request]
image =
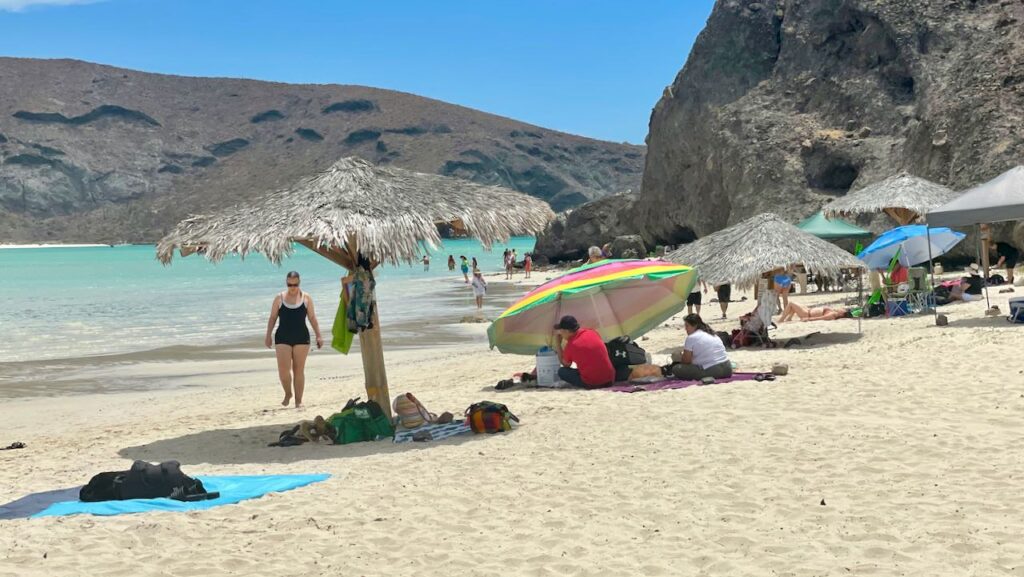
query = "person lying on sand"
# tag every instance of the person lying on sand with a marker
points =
(808, 314)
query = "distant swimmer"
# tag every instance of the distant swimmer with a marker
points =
(465, 268)
(451, 262)
(291, 339)
(426, 262)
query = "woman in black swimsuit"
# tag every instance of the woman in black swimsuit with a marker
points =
(291, 339)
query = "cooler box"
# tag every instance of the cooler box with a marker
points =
(547, 368)
(896, 308)
(1016, 310)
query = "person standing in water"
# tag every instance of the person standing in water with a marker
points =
(465, 268)
(291, 339)
(426, 262)
(528, 264)
(451, 262)
(479, 288)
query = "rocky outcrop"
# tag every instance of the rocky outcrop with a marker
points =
(784, 105)
(95, 153)
(569, 236)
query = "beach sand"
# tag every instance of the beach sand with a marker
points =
(892, 452)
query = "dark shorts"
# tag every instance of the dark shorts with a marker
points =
(693, 299)
(724, 293)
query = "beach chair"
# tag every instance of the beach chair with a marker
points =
(919, 293)
(755, 325)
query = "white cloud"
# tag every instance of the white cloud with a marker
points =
(19, 5)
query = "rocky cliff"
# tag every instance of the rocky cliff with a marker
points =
(95, 153)
(784, 105)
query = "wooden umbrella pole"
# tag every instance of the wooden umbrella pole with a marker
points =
(370, 346)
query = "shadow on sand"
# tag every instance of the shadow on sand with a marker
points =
(249, 445)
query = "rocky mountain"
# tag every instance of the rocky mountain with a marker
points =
(95, 153)
(785, 104)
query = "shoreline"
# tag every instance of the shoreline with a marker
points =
(181, 366)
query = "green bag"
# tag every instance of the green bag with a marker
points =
(341, 338)
(359, 422)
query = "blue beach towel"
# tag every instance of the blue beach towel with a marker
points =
(232, 489)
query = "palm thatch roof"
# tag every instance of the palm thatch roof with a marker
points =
(740, 254)
(904, 197)
(386, 212)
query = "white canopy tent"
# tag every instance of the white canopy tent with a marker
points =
(998, 200)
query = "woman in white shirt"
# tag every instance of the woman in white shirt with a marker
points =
(703, 353)
(479, 288)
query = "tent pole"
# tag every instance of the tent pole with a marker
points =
(986, 234)
(931, 271)
(981, 259)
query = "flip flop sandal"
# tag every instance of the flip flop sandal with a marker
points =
(444, 418)
(15, 445)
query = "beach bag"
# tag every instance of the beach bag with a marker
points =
(488, 417)
(741, 338)
(623, 352)
(143, 481)
(876, 309)
(410, 412)
(360, 421)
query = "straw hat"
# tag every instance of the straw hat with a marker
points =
(974, 269)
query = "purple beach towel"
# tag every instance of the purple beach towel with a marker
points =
(669, 384)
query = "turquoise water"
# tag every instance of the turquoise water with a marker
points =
(63, 302)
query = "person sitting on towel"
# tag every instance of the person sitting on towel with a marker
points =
(585, 348)
(703, 353)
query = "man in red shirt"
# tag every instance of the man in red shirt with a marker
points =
(585, 348)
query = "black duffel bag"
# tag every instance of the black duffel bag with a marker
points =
(144, 481)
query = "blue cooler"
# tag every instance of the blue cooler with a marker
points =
(1016, 310)
(897, 308)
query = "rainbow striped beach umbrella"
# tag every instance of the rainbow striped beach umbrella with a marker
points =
(613, 297)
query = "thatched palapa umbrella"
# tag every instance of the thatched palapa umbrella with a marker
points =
(904, 197)
(355, 209)
(743, 252)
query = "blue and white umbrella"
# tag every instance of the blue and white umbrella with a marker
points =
(911, 242)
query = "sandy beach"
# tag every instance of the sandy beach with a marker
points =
(890, 452)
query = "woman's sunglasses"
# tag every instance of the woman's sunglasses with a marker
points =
(288, 284)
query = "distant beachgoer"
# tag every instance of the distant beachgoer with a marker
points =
(1008, 256)
(975, 284)
(703, 353)
(465, 268)
(783, 286)
(606, 250)
(475, 266)
(585, 348)
(528, 264)
(451, 262)
(594, 254)
(426, 262)
(808, 314)
(693, 300)
(508, 264)
(724, 293)
(479, 288)
(291, 339)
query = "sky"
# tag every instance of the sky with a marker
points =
(588, 67)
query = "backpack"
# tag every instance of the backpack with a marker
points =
(488, 417)
(623, 352)
(360, 421)
(410, 412)
(143, 481)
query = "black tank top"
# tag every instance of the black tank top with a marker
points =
(291, 326)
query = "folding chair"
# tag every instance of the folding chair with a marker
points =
(758, 322)
(919, 293)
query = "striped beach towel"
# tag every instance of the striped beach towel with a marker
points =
(437, 432)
